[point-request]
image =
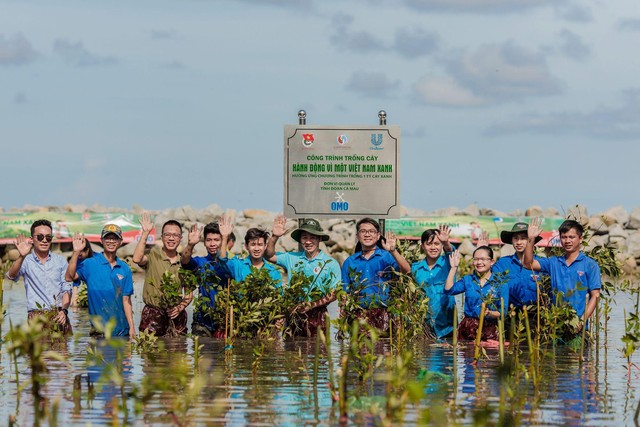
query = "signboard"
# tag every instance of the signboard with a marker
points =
(470, 227)
(65, 224)
(332, 171)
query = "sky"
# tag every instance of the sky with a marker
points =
(160, 103)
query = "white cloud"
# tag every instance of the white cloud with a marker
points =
(602, 122)
(16, 50)
(374, 85)
(445, 92)
(77, 55)
(502, 73)
(415, 42)
(478, 6)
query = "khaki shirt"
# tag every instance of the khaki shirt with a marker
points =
(158, 263)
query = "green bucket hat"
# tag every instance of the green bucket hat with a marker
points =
(518, 227)
(311, 226)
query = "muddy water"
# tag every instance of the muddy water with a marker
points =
(232, 388)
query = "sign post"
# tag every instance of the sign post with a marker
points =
(332, 171)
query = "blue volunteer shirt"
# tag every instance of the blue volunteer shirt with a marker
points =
(522, 282)
(432, 281)
(240, 268)
(204, 266)
(44, 283)
(325, 269)
(374, 273)
(475, 295)
(105, 288)
(583, 273)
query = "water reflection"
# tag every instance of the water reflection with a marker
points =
(280, 385)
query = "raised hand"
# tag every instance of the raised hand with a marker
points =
(483, 240)
(225, 225)
(454, 259)
(390, 241)
(444, 233)
(24, 244)
(279, 226)
(78, 242)
(194, 234)
(146, 223)
(535, 228)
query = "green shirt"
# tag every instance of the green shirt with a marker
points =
(157, 264)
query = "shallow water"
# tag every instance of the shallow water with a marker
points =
(281, 391)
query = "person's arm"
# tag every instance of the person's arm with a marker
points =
(226, 228)
(192, 241)
(278, 230)
(128, 313)
(390, 245)
(78, 245)
(593, 301)
(454, 260)
(533, 231)
(444, 235)
(24, 245)
(61, 317)
(175, 311)
(139, 256)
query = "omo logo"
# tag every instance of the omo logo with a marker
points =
(340, 205)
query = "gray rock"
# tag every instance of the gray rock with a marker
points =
(472, 210)
(597, 225)
(13, 254)
(578, 213)
(551, 213)
(601, 240)
(534, 211)
(633, 244)
(125, 250)
(616, 230)
(616, 215)
(613, 243)
(634, 219)
(447, 211)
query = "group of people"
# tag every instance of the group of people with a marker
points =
(367, 275)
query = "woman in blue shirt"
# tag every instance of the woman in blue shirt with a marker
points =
(478, 287)
(431, 274)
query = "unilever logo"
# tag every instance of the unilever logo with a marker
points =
(339, 205)
(376, 141)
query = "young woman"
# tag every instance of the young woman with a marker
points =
(478, 287)
(431, 274)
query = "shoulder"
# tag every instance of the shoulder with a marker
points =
(418, 265)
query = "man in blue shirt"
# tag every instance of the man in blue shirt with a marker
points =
(212, 273)
(366, 275)
(44, 275)
(109, 281)
(313, 262)
(573, 275)
(523, 283)
(255, 241)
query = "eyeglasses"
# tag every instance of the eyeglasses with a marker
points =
(42, 237)
(368, 232)
(172, 235)
(481, 259)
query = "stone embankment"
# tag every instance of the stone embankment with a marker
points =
(615, 228)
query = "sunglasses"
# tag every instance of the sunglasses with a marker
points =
(42, 237)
